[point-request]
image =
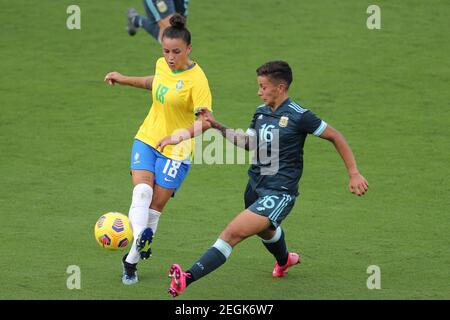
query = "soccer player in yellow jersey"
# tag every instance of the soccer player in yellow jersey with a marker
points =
(179, 87)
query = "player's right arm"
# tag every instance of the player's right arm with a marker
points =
(139, 82)
(237, 137)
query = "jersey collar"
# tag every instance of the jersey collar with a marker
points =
(282, 106)
(187, 69)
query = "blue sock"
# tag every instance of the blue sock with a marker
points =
(137, 21)
(277, 246)
(212, 259)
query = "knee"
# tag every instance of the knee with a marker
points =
(268, 234)
(232, 236)
(142, 194)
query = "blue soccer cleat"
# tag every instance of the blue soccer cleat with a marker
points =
(129, 275)
(143, 242)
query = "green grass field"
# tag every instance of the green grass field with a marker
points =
(65, 139)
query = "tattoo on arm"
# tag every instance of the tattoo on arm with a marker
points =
(221, 128)
(140, 82)
(239, 139)
(148, 83)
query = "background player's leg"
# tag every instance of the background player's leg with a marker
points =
(181, 6)
(151, 26)
(151, 22)
(158, 16)
(163, 24)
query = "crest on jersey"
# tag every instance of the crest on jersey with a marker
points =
(283, 122)
(179, 85)
(161, 5)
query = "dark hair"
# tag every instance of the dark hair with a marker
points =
(177, 29)
(276, 70)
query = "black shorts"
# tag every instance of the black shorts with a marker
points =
(275, 206)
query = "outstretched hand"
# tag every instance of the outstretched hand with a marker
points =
(358, 185)
(113, 77)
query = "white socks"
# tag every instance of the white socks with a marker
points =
(139, 216)
(153, 218)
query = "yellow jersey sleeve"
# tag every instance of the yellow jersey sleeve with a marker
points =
(201, 95)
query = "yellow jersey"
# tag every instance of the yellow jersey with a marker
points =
(176, 97)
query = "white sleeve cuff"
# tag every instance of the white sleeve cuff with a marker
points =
(320, 129)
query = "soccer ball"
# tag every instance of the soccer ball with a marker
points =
(113, 231)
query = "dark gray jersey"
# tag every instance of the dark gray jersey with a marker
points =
(290, 123)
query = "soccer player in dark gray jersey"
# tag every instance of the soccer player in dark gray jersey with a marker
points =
(291, 123)
(272, 190)
(158, 16)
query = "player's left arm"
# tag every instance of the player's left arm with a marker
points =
(200, 125)
(358, 184)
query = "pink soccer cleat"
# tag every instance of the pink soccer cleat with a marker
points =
(293, 259)
(178, 283)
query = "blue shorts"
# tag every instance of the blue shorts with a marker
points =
(168, 173)
(274, 206)
(159, 9)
